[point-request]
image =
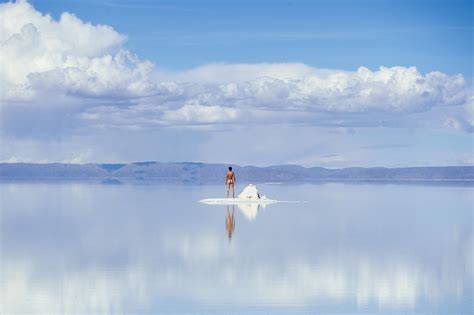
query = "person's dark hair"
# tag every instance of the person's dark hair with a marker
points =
(230, 168)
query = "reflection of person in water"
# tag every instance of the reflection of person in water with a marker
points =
(230, 222)
(230, 181)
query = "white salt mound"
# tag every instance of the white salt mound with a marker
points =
(250, 192)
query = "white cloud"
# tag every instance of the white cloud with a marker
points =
(69, 62)
(462, 119)
(67, 56)
(118, 76)
(327, 98)
(75, 57)
(194, 112)
(396, 89)
(239, 73)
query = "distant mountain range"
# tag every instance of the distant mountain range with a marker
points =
(187, 172)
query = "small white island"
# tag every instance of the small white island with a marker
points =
(250, 194)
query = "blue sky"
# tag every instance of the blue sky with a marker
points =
(317, 83)
(337, 34)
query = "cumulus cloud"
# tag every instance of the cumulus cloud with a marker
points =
(67, 56)
(299, 87)
(69, 61)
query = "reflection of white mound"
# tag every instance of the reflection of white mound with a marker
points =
(236, 201)
(249, 195)
(248, 201)
(250, 210)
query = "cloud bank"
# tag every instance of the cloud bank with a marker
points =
(71, 63)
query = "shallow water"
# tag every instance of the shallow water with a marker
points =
(350, 248)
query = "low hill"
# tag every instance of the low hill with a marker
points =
(214, 173)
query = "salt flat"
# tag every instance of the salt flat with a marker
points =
(352, 248)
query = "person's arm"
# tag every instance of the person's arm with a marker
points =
(234, 177)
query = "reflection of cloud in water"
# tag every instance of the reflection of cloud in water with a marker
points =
(88, 290)
(201, 247)
(92, 249)
(205, 270)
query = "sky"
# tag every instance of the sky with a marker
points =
(315, 83)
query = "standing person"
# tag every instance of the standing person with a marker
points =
(230, 181)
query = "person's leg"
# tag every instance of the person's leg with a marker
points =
(233, 192)
(228, 188)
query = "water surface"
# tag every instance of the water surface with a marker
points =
(351, 248)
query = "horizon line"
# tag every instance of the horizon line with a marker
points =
(238, 165)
